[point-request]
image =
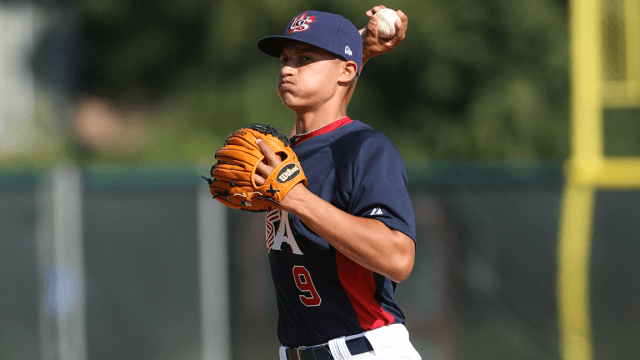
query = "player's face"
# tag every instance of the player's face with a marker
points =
(308, 77)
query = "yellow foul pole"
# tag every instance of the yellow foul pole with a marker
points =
(584, 165)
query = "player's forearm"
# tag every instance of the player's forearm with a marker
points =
(368, 242)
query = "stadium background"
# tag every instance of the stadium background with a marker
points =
(110, 111)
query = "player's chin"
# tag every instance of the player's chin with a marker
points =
(288, 100)
(295, 106)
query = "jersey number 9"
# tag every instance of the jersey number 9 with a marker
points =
(305, 284)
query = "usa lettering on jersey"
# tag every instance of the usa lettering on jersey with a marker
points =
(301, 23)
(279, 231)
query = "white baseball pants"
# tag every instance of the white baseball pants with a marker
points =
(388, 342)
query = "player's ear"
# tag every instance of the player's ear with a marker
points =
(349, 71)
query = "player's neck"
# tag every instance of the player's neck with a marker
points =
(308, 120)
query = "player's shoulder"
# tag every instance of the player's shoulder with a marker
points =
(362, 137)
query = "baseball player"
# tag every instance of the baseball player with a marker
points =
(337, 246)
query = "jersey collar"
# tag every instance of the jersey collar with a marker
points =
(297, 139)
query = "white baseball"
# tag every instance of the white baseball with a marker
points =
(386, 24)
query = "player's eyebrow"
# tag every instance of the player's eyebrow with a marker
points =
(300, 48)
(307, 48)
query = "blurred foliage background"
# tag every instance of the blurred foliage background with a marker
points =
(472, 80)
(139, 81)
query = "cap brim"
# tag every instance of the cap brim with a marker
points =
(272, 45)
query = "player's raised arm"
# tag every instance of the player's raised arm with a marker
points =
(374, 45)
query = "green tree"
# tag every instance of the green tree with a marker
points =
(472, 80)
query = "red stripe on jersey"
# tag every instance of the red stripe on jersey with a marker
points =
(360, 287)
(323, 130)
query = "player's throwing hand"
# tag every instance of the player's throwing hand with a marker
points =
(372, 44)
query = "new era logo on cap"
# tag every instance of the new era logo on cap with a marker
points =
(348, 51)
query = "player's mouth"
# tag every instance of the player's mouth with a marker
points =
(285, 85)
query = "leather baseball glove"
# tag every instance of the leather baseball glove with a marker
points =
(233, 182)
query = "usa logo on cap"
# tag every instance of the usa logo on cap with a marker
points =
(301, 23)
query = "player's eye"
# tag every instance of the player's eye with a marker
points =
(303, 60)
(283, 60)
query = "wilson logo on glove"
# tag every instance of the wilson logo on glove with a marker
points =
(288, 172)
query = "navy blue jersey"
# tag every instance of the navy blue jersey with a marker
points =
(321, 294)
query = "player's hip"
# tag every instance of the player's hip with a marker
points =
(385, 343)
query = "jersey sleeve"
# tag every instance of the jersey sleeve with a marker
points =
(380, 183)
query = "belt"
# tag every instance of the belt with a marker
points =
(356, 346)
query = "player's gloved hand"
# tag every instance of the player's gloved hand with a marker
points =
(372, 45)
(244, 179)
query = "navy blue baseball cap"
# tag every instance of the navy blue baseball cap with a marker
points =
(328, 31)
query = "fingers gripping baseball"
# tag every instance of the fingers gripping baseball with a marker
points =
(374, 45)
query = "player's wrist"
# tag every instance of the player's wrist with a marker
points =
(295, 199)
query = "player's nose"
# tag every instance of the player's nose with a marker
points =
(287, 70)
